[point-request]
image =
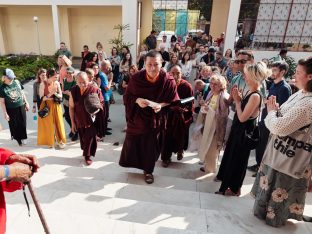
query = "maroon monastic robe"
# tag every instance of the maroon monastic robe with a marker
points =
(141, 148)
(180, 117)
(87, 129)
(5, 186)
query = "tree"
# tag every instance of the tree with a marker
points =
(118, 41)
(204, 6)
(249, 9)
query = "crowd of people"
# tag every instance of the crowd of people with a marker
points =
(240, 105)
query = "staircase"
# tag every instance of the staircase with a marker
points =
(106, 198)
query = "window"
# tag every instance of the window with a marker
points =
(180, 16)
(279, 24)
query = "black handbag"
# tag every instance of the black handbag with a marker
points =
(44, 111)
(57, 99)
(252, 138)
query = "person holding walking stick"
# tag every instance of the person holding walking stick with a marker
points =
(15, 169)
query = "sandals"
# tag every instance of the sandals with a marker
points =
(180, 156)
(229, 192)
(149, 178)
(166, 163)
(88, 160)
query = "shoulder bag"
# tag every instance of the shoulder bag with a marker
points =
(292, 154)
(44, 111)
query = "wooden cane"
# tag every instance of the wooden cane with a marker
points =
(38, 208)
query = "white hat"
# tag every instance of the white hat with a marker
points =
(9, 73)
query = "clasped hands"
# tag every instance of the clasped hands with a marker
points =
(22, 167)
(236, 94)
(271, 103)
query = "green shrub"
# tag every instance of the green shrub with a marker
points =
(26, 66)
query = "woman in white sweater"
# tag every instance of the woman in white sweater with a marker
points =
(284, 174)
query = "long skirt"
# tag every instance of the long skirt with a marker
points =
(208, 150)
(88, 141)
(197, 133)
(141, 151)
(52, 126)
(278, 196)
(17, 123)
(234, 162)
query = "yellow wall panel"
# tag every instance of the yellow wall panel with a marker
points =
(88, 25)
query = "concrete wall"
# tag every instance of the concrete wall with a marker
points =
(147, 19)
(88, 25)
(20, 33)
(219, 17)
(63, 18)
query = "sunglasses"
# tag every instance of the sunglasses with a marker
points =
(242, 61)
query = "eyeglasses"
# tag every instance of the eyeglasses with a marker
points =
(242, 61)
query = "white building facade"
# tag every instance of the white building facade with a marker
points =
(75, 22)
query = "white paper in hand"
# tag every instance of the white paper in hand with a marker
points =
(152, 104)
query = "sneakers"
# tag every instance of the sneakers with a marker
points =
(60, 145)
(253, 168)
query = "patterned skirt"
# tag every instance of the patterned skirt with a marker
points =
(278, 196)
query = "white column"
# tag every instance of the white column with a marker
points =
(232, 24)
(129, 16)
(56, 28)
(3, 49)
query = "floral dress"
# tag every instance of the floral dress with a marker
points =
(279, 196)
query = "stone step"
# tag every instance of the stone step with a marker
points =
(153, 214)
(81, 223)
(130, 190)
(111, 172)
(125, 190)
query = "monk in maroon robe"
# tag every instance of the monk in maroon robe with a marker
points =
(88, 126)
(17, 170)
(147, 93)
(180, 117)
